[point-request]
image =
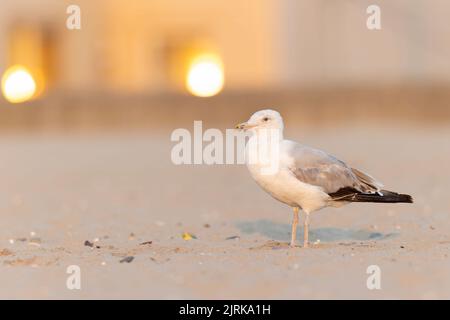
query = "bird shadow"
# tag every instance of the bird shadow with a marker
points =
(282, 232)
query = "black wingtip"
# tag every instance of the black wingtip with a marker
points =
(393, 197)
(406, 198)
(352, 195)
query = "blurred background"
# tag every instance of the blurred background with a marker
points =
(85, 123)
(144, 63)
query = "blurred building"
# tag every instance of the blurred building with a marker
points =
(146, 46)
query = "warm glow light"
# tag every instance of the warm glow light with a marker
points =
(205, 76)
(18, 85)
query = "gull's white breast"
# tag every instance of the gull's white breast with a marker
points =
(284, 186)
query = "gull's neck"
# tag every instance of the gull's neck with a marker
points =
(263, 151)
(269, 135)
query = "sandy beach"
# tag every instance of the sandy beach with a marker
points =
(93, 205)
(93, 200)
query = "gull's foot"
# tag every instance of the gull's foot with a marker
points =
(292, 244)
(306, 244)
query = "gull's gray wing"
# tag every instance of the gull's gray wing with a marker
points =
(316, 167)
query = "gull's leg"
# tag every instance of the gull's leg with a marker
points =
(294, 226)
(306, 230)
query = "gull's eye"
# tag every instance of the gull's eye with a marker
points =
(265, 119)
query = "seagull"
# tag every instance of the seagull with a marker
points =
(305, 178)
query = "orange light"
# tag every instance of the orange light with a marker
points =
(18, 85)
(205, 77)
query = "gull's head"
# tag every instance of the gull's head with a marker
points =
(263, 119)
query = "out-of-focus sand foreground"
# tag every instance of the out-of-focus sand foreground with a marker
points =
(119, 189)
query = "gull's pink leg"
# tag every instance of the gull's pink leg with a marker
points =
(306, 230)
(294, 227)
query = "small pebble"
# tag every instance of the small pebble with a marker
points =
(88, 244)
(188, 236)
(34, 244)
(127, 259)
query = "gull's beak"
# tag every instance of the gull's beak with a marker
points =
(243, 126)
